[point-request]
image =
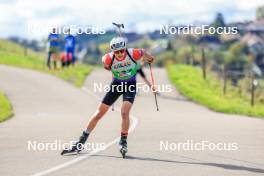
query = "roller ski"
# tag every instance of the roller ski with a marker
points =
(78, 146)
(123, 147)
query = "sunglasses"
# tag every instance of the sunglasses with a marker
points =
(119, 51)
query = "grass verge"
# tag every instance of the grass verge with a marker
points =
(208, 92)
(5, 108)
(13, 54)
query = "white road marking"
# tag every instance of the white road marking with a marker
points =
(80, 158)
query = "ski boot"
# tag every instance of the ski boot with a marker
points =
(123, 147)
(78, 146)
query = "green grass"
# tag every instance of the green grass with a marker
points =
(13, 54)
(208, 92)
(75, 75)
(5, 108)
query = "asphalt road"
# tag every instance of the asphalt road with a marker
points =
(49, 110)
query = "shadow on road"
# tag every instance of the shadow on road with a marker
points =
(224, 166)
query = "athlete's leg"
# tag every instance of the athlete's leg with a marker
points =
(102, 109)
(108, 100)
(128, 99)
(110, 97)
(125, 110)
(78, 146)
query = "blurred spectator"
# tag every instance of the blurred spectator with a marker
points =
(69, 48)
(64, 59)
(53, 48)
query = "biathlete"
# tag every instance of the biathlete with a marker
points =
(123, 62)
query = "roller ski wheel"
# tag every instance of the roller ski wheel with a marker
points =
(123, 148)
(123, 152)
(70, 151)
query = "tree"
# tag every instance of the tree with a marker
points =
(236, 61)
(184, 55)
(169, 46)
(219, 21)
(238, 49)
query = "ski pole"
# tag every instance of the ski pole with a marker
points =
(153, 84)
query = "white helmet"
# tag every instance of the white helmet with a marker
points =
(118, 43)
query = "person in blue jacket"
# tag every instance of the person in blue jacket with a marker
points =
(69, 48)
(53, 48)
